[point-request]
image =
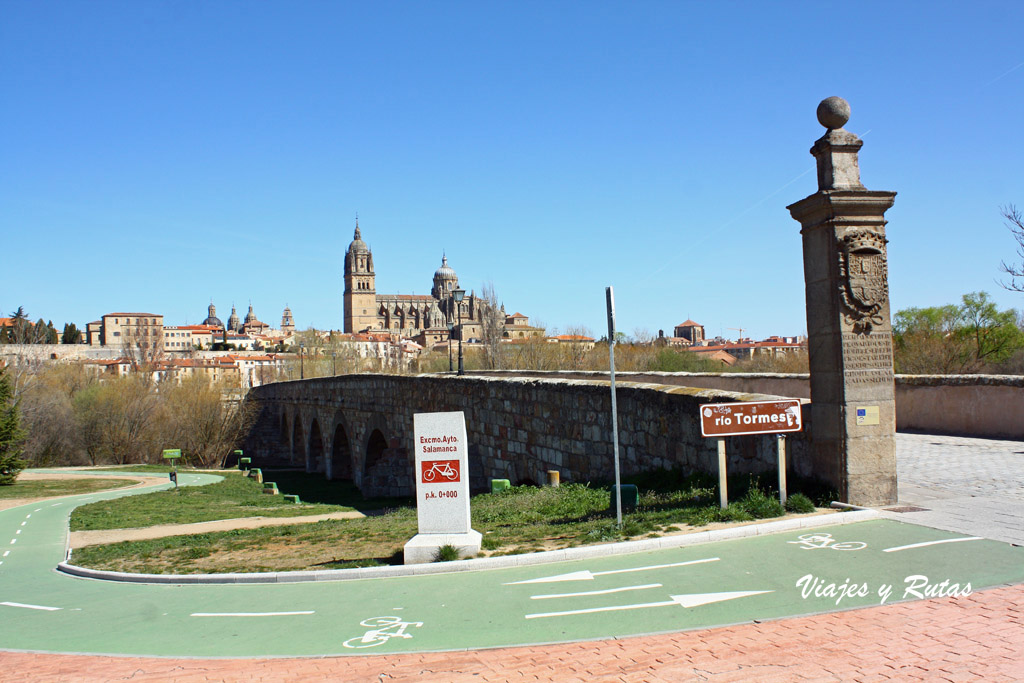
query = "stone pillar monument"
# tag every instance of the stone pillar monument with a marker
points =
(853, 418)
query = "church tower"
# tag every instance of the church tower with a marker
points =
(360, 297)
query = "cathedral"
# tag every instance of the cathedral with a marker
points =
(422, 317)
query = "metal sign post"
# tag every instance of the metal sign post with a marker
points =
(720, 420)
(173, 454)
(782, 468)
(610, 297)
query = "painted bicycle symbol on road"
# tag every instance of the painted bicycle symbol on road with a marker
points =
(821, 541)
(382, 629)
(443, 470)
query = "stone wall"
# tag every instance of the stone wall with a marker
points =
(972, 405)
(518, 428)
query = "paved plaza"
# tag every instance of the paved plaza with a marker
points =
(973, 486)
(969, 486)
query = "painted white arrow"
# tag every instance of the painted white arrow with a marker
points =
(587, 575)
(690, 600)
(695, 599)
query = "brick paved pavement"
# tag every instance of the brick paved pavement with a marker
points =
(979, 637)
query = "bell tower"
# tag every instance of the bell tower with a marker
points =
(360, 298)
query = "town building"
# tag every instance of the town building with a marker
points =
(140, 332)
(423, 318)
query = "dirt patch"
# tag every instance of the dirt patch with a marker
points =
(140, 479)
(80, 539)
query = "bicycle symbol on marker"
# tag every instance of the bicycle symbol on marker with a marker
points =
(820, 541)
(382, 629)
(442, 469)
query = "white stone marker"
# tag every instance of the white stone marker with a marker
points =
(442, 488)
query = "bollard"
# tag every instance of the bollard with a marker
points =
(499, 485)
(554, 478)
(630, 497)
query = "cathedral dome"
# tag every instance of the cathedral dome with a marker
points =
(358, 245)
(445, 272)
(212, 319)
(233, 323)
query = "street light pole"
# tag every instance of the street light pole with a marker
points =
(458, 294)
(334, 362)
(302, 361)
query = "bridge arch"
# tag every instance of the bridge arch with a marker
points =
(315, 461)
(285, 436)
(341, 463)
(298, 440)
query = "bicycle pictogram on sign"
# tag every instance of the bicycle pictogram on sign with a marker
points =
(382, 629)
(439, 470)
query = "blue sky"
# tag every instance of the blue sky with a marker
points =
(156, 155)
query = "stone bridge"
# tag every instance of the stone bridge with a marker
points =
(360, 428)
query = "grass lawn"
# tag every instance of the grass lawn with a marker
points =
(48, 488)
(235, 496)
(522, 519)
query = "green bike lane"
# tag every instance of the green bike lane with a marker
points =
(756, 578)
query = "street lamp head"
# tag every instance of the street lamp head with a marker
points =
(459, 295)
(451, 326)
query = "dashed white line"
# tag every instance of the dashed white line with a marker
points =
(6, 553)
(13, 541)
(249, 614)
(40, 607)
(922, 545)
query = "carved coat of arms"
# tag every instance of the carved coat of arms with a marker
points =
(863, 278)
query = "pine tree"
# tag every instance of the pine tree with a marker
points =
(11, 434)
(51, 333)
(71, 335)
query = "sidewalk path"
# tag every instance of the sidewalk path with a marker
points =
(972, 486)
(979, 637)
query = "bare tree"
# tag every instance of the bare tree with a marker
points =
(1015, 224)
(493, 329)
(198, 416)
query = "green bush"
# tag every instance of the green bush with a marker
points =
(446, 553)
(798, 502)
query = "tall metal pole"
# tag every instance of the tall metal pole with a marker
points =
(302, 362)
(610, 296)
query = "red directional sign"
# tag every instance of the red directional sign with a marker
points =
(752, 417)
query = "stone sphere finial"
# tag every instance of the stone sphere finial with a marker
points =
(833, 112)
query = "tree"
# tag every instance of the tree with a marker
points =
(71, 335)
(195, 417)
(11, 434)
(115, 419)
(1015, 224)
(22, 331)
(955, 339)
(492, 330)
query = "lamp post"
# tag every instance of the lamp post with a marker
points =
(458, 295)
(451, 326)
(302, 361)
(334, 362)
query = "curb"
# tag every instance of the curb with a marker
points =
(564, 555)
